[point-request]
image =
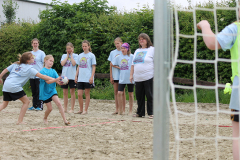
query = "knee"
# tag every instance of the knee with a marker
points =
(130, 94)
(80, 95)
(50, 109)
(120, 93)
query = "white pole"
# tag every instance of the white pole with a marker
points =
(161, 70)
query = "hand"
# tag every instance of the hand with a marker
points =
(111, 80)
(76, 78)
(1, 81)
(202, 24)
(91, 80)
(131, 79)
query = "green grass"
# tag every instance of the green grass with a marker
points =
(203, 96)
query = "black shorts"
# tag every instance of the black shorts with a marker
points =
(122, 86)
(7, 96)
(71, 84)
(84, 85)
(235, 117)
(49, 99)
(116, 81)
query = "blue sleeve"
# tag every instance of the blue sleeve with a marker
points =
(115, 61)
(94, 60)
(33, 72)
(56, 75)
(63, 57)
(227, 37)
(43, 56)
(110, 57)
(78, 60)
(9, 68)
(75, 57)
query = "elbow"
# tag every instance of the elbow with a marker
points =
(211, 47)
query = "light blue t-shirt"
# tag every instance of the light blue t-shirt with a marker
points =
(38, 60)
(115, 71)
(68, 69)
(18, 77)
(47, 90)
(125, 63)
(227, 37)
(85, 62)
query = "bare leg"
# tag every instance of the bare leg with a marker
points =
(65, 98)
(120, 102)
(115, 86)
(124, 100)
(73, 98)
(80, 99)
(87, 94)
(130, 102)
(4, 105)
(47, 112)
(24, 108)
(58, 103)
(235, 142)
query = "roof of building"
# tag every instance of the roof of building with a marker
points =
(34, 2)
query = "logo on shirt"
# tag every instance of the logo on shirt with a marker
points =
(18, 69)
(117, 55)
(34, 56)
(124, 64)
(83, 62)
(139, 58)
(68, 63)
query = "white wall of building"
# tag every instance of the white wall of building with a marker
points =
(27, 11)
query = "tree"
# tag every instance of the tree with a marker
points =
(9, 10)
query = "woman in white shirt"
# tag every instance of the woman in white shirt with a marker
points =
(142, 71)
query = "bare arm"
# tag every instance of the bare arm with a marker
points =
(44, 77)
(93, 72)
(208, 40)
(72, 60)
(111, 78)
(131, 73)
(53, 80)
(76, 76)
(63, 62)
(2, 74)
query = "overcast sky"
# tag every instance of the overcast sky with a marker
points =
(120, 4)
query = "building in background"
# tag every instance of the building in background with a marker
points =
(28, 11)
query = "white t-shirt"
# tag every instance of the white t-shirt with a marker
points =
(143, 64)
(18, 77)
(38, 60)
(85, 62)
(68, 69)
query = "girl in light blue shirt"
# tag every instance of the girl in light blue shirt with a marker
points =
(124, 63)
(68, 61)
(114, 73)
(85, 75)
(20, 73)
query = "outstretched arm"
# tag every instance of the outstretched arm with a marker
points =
(2, 74)
(209, 40)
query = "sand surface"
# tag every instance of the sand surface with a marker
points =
(102, 136)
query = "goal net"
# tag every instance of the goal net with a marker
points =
(197, 130)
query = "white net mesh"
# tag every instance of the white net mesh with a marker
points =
(199, 130)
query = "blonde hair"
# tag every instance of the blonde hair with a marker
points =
(47, 57)
(118, 39)
(88, 43)
(70, 45)
(24, 58)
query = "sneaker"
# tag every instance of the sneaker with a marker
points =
(38, 109)
(31, 109)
